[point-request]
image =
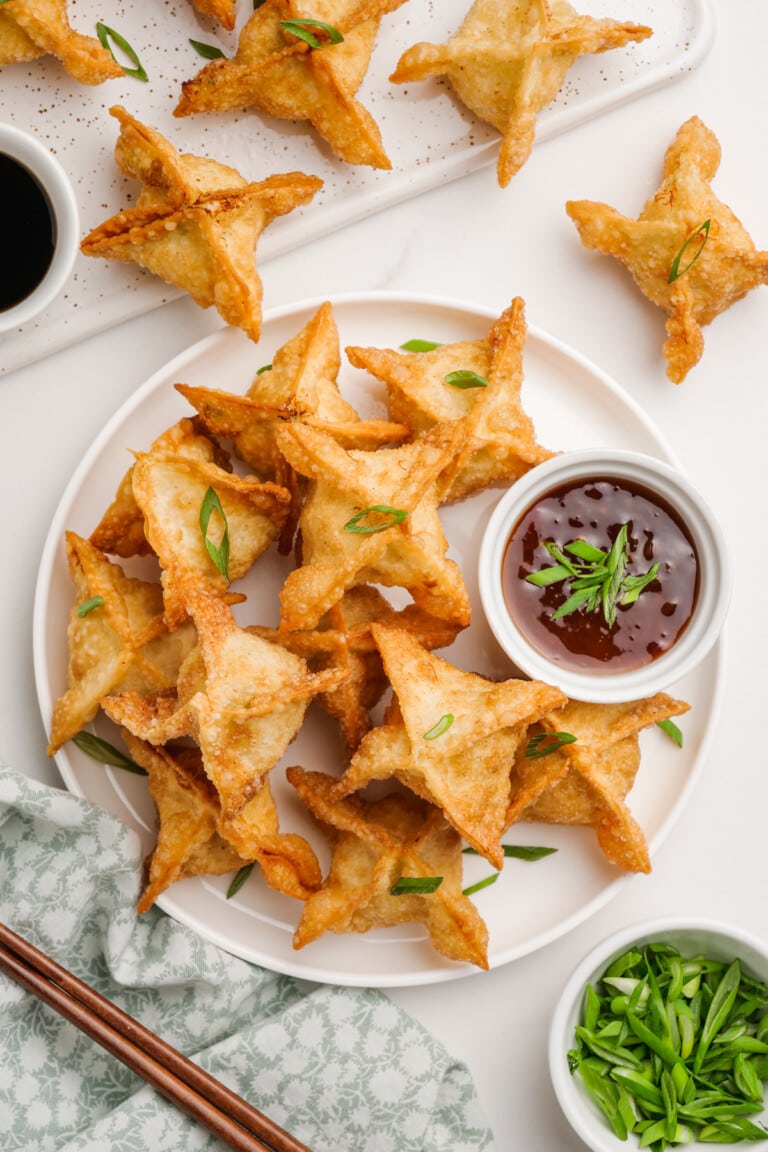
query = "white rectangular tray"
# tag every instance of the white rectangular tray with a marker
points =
(429, 138)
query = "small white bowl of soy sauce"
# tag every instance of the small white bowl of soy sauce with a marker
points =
(672, 582)
(38, 206)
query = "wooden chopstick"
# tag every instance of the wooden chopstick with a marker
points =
(232, 1119)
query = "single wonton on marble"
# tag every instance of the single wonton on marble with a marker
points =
(33, 28)
(283, 75)
(509, 59)
(687, 252)
(196, 222)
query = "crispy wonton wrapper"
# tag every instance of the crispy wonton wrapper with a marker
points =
(375, 843)
(684, 229)
(509, 59)
(452, 739)
(33, 28)
(276, 72)
(196, 222)
(118, 639)
(587, 782)
(501, 441)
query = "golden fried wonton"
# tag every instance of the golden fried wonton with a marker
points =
(281, 75)
(118, 639)
(375, 843)
(453, 739)
(586, 782)
(371, 517)
(509, 59)
(33, 28)
(501, 442)
(188, 843)
(687, 252)
(196, 222)
(170, 484)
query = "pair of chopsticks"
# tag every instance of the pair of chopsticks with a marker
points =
(208, 1101)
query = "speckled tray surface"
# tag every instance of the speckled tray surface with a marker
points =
(429, 138)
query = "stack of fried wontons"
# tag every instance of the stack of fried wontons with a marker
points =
(208, 699)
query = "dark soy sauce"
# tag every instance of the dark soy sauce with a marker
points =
(28, 230)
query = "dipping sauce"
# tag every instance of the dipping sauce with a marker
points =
(30, 232)
(594, 511)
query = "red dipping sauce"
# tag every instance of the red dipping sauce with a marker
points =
(594, 510)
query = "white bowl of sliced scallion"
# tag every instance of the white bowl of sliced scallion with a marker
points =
(660, 1038)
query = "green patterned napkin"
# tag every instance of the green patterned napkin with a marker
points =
(344, 1069)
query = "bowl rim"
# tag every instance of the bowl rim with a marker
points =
(591, 1127)
(27, 149)
(713, 600)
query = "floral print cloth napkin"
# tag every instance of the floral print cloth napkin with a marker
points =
(344, 1069)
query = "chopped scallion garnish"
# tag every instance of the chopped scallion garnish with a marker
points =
(415, 885)
(671, 730)
(545, 742)
(86, 606)
(219, 553)
(105, 34)
(701, 233)
(301, 29)
(238, 880)
(420, 346)
(484, 883)
(442, 725)
(395, 516)
(106, 753)
(465, 378)
(208, 51)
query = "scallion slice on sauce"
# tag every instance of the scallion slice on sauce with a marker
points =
(701, 234)
(465, 378)
(106, 753)
(395, 516)
(302, 29)
(219, 553)
(105, 34)
(415, 885)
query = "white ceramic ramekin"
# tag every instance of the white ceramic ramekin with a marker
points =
(691, 936)
(49, 174)
(711, 605)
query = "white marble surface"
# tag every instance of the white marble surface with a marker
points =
(474, 241)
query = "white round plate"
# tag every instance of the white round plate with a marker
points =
(573, 405)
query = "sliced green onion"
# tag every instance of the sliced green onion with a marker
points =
(208, 51)
(105, 34)
(702, 232)
(545, 742)
(671, 730)
(264, 368)
(438, 729)
(517, 851)
(484, 883)
(106, 753)
(465, 378)
(86, 606)
(420, 346)
(415, 885)
(238, 880)
(397, 515)
(218, 553)
(301, 29)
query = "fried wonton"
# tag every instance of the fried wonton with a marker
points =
(280, 74)
(375, 844)
(343, 638)
(371, 517)
(171, 485)
(509, 59)
(196, 222)
(33, 28)
(453, 740)
(118, 639)
(687, 252)
(240, 698)
(223, 11)
(301, 383)
(501, 442)
(586, 782)
(188, 843)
